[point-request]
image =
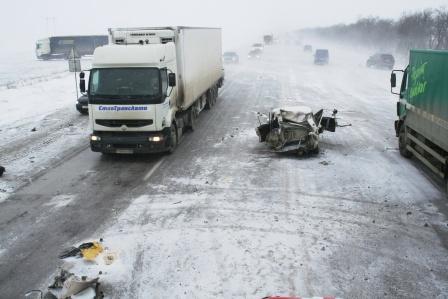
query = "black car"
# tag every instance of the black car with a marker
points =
(381, 60)
(82, 105)
(307, 48)
(230, 57)
(321, 57)
(254, 54)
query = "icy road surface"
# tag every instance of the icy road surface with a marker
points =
(224, 218)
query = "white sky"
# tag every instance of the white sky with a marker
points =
(243, 21)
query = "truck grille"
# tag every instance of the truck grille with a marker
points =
(131, 123)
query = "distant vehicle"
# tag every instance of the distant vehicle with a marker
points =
(82, 104)
(381, 60)
(59, 47)
(268, 39)
(149, 86)
(254, 54)
(230, 57)
(422, 108)
(258, 46)
(321, 57)
(307, 48)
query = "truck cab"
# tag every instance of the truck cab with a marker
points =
(148, 86)
(129, 92)
(422, 110)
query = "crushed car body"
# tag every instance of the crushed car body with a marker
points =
(295, 129)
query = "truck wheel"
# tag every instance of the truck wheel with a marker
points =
(173, 138)
(403, 141)
(192, 118)
(84, 111)
(215, 95)
(210, 101)
(315, 151)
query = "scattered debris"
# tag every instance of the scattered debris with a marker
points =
(60, 279)
(2, 170)
(426, 225)
(295, 129)
(68, 285)
(409, 213)
(176, 203)
(75, 284)
(324, 163)
(110, 257)
(91, 251)
(72, 251)
(33, 129)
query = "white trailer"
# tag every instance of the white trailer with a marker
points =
(150, 84)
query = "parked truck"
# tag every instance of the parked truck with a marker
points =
(148, 86)
(59, 47)
(422, 125)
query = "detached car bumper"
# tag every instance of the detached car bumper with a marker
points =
(131, 142)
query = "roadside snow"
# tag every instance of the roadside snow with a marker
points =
(40, 124)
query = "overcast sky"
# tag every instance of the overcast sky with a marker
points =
(24, 21)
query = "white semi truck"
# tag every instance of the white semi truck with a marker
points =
(148, 86)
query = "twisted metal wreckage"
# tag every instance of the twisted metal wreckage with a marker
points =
(295, 129)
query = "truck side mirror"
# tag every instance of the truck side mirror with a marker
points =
(172, 79)
(82, 82)
(393, 80)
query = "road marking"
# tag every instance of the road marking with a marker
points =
(153, 169)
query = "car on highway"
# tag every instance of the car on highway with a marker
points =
(254, 54)
(307, 48)
(230, 57)
(321, 56)
(258, 46)
(381, 60)
(82, 104)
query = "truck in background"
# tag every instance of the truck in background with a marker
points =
(59, 47)
(422, 125)
(149, 85)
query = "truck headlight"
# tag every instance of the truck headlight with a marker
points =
(155, 138)
(95, 138)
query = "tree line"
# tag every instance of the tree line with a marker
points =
(427, 29)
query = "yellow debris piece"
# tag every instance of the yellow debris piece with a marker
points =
(90, 254)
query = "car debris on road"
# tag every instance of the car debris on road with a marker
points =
(68, 285)
(295, 129)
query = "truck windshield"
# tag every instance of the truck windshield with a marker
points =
(125, 82)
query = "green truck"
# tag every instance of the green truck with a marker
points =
(422, 125)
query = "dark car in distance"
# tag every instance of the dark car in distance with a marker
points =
(381, 60)
(230, 57)
(82, 105)
(307, 48)
(254, 54)
(321, 57)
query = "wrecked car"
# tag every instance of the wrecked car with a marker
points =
(295, 129)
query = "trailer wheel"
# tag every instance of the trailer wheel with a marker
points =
(173, 138)
(210, 100)
(403, 141)
(315, 151)
(446, 186)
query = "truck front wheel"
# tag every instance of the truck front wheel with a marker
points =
(403, 141)
(173, 138)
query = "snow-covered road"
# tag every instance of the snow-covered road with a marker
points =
(223, 217)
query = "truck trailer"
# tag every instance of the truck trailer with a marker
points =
(59, 47)
(148, 86)
(422, 124)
